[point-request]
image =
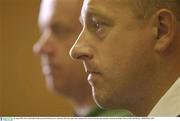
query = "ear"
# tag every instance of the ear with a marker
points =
(165, 29)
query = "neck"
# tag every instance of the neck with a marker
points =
(165, 76)
(166, 79)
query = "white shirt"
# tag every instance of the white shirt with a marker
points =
(169, 104)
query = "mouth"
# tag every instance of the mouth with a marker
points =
(49, 67)
(46, 69)
(92, 77)
(93, 72)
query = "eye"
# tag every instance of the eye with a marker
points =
(60, 31)
(98, 27)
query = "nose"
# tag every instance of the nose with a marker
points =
(43, 45)
(82, 50)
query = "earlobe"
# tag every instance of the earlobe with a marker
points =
(165, 29)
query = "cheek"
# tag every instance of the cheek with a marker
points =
(62, 52)
(125, 58)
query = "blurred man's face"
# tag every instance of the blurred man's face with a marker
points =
(59, 26)
(117, 52)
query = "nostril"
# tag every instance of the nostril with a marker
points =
(81, 52)
(83, 57)
(75, 53)
(45, 47)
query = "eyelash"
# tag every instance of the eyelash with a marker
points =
(98, 28)
(60, 32)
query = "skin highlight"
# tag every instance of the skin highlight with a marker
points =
(130, 62)
(59, 26)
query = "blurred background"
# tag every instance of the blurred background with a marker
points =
(22, 87)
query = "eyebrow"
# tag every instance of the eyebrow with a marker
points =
(97, 12)
(102, 13)
(53, 24)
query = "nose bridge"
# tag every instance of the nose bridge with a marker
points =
(82, 47)
(43, 45)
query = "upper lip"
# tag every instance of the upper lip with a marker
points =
(90, 68)
(91, 71)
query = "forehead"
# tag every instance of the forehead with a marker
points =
(108, 7)
(111, 2)
(55, 10)
(114, 4)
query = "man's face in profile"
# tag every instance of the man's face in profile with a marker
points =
(116, 49)
(59, 26)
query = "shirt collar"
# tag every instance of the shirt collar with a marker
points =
(169, 104)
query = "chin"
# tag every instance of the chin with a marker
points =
(98, 103)
(99, 98)
(102, 103)
(104, 99)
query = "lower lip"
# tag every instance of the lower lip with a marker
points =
(92, 77)
(46, 70)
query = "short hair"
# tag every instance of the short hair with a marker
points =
(146, 8)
